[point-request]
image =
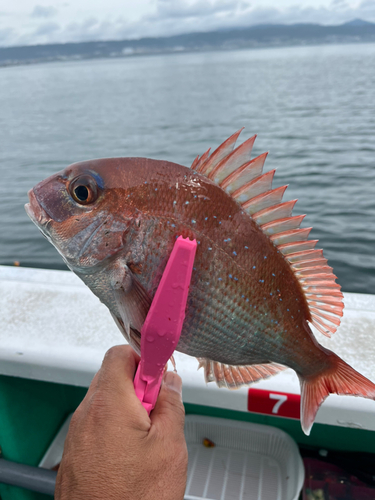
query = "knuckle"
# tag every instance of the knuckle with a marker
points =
(112, 353)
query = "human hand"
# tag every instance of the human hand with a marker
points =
(114, 450)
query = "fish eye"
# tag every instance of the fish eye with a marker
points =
(84, 190)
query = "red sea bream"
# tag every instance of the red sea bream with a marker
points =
(258, 282)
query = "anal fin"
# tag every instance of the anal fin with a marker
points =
(234, 377)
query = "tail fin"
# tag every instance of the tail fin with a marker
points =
(340, 379)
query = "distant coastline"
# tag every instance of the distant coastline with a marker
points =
(356, 31)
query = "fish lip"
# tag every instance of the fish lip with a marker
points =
(36, 213)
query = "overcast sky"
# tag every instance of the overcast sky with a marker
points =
(28, 22)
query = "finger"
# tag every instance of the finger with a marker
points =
(169, 410)
(118, 369)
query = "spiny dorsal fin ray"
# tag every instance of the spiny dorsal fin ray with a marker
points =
(232, 161)
(238, 179)
(242, 178)
(257, 186)
(195, 163)
(201, 160)
(221, 152)
(264, 200)
(290, 236)
(278, 226)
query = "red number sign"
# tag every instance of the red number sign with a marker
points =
(281, 404)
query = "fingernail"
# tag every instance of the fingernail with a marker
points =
(173, 382)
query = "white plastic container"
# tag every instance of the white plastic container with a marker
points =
(248, 462)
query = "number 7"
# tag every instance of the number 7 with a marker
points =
(281, 398)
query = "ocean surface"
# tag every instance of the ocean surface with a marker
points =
(313, 109)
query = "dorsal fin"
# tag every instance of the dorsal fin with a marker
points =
(221, 152)
(231, 162)
(198, 162)
(242, 178)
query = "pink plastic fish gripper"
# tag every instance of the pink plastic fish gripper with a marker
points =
(162, 328)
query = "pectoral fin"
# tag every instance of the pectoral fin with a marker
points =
(133, 304)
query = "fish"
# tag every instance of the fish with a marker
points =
(258, 284)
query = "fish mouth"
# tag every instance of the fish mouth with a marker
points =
(35, 211)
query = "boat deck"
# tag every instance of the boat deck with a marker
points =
(54, 329)
(55, 332)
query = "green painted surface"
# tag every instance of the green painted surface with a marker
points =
(31, 413)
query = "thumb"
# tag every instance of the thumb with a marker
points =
(169, 410)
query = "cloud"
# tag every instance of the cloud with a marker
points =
(41, 11)
(339, 3)
(198, 8)
(171, 17)
(184, 16)
(5, 34)
(47, 29)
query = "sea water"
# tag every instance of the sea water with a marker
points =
(313, 109)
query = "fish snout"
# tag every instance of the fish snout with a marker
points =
(35, 211)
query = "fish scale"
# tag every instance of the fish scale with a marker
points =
(219, 317)
(257, 280)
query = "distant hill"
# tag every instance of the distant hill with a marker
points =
(358, 22)
(355, 31)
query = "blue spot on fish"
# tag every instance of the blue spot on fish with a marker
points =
(265, 256)
(156, 189)
(173, 225)
(193, 221)
(254, 267)
(273, 274)
(234, 253)
(230, 275)
(247, 248)
(98, 179)
(186, 203)
(205, 218)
